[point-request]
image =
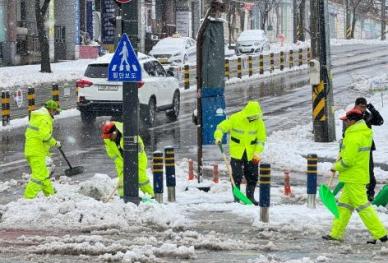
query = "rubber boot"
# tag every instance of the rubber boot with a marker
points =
(236, 199)
(250, 193)
(374, 241)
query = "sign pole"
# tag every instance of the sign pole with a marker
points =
(130, 111)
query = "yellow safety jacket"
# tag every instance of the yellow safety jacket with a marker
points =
(39, 134)
(353, 164)
(245, 136)
(114, 152)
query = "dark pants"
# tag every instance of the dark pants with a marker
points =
(372, 179)
(249, 170)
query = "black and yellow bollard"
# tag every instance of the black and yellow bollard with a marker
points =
(5, 109)
(265, 191)
(55, 92)
(261, 64)
(157, 171)
(300, 57)
(281, 60)
(291, 58)
(271, 62)
(239, 73)
(250, 66)
(31, 100)
(312, 171)
(308, 55)
(319, 102)
(186, 76)
(169, 163)
(227, 71)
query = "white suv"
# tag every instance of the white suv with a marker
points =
(99, 97)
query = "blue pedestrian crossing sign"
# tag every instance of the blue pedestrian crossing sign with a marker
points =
(124, 65)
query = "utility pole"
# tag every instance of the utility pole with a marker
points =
(130, 109)
(383, 7)
(323, 116)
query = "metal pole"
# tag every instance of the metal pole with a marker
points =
(327, 131)
(130, 111)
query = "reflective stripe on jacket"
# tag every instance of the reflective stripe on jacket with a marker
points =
(244, 135)
(39, 133)
(353, 164)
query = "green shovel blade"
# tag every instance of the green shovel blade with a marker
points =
(328, 199)
(382, 197)
(240, 196)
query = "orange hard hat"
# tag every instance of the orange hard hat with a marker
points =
(107, 129)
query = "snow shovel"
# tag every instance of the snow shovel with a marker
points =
(382, 197)
(328, 198)
(72, 170)
(236, 192)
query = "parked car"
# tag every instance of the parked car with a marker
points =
(251, 41)
(175, 50)
(229, 52)
(99, 97)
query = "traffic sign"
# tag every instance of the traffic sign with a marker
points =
(124, 65)
(123, 1)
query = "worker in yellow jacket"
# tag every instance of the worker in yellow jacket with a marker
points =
(353, 168)
(246, 143)
(39, 140)
(112, 133)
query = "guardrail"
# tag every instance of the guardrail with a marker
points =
(238, 67)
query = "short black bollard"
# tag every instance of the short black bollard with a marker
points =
(157, 170)
(300, 57)
(312, 161)
(186, 76)
(271, 62)
(261, 64)
(250, 66)
(169, 163)
(55, 92)
(239, 68)
(281, 60)
(265, 191)
(31, 100)
(5, 109)
(291, 58)
(227, 71)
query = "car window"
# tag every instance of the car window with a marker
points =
(159, 69)
(97, 71)
(149, 67)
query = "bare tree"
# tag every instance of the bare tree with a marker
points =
(301, 20)
(40, 15)
(265, 6)
(231, 19)
(358, 7)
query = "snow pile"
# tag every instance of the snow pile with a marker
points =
(7, 184)
(30, 75)
(344, 42)
(99, 187)
(366, 83)
(69, 209)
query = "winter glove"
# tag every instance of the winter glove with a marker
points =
(370, 106)
(256, 159)
(218, 141)
(58, 144)
(332, 169)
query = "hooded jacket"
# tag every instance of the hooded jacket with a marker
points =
(353, 164)
(246, 129)
(39, 134)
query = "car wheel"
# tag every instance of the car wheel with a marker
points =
(88, 117)
(150, 113)
(173, 114)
